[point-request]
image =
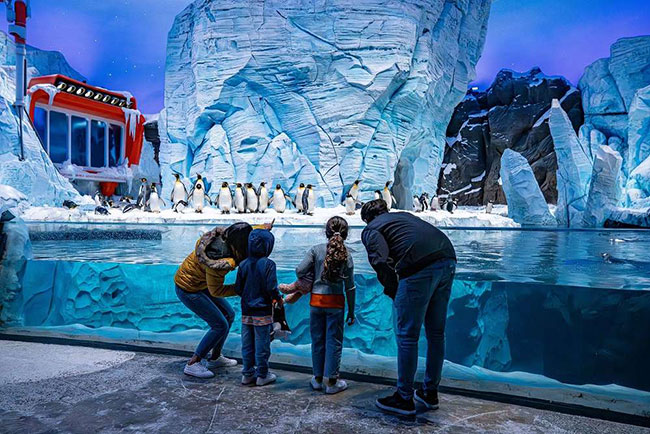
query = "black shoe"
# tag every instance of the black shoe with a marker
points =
(396, 404)
(428, 398)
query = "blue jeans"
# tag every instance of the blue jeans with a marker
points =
(255, 350)
(422, 299)
(215, 311)
(326, 326)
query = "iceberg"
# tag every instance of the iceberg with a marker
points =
(638, 129)
(574, 167)
(637, 188)
(526, 203)
(320, 93)
(604, 189)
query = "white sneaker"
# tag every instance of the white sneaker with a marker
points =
(198, 370)
(270, 378)
(248, 381)
(315, 384)
(221, 361)
(340, 386)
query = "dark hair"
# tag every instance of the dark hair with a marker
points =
(236, 237)
(372, 209)
(336, 256)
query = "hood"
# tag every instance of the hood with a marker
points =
(260, 243)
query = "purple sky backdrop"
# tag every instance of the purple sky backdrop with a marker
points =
(120, 44)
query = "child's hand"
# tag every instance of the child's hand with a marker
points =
(350, 319)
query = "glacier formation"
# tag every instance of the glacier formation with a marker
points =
(604, 189)
(526, 203)
(317, 92)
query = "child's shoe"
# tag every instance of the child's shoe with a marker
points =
(270, 378)
(198, 370)
(315, 384)
(247, 381)
(337, 387)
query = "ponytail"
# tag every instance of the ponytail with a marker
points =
(336, 255)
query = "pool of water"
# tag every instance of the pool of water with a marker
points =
(571, 307)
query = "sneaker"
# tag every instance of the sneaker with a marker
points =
(340, 386)
(247, 381)
(263, 381)
(198, 370)
(220, 361)
(315, 384)
(428, 398)
(396, 404)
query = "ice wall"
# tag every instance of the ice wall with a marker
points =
(604, 188)
(317, 92)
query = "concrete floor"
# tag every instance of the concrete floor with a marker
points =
(54, 388)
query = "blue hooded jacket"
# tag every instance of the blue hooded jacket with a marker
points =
(257, 283)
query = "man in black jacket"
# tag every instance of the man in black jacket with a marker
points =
(415, 262)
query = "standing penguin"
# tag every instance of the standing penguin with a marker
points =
(417, 205)
(450, 205)
(424, 200)
(198, 195)
(354, 190)
(488, 207)
(308, 200)
(279, 199)
(263, 196)
(387, 195)
(224, 199)
(240, 199)
(155, 201)
(143, 194)
(435, 204)
(98, 198)
(179, 192)
(251, 198)
(350, 204)
(377, 194)
(298, 199)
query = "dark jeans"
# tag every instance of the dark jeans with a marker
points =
(422, 299)
(215, 311)
(255, 350)
(326, 326)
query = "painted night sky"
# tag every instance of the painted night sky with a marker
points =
(120, 44)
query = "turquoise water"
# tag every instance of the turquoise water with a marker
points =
(573, 306)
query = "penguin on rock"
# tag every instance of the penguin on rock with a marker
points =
(240, 199)
(252, 200)
(350, 205)
(143, 194)
(179, 192)
(308, 200)
(155, 201)
(263, 197)
(424, 200)
(224, 198)
(198, 194)
(417, 205)
(279, 199)
(298, 198)
(387, 195)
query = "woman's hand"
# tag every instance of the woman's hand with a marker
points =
(351, 318)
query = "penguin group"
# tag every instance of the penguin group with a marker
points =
(423, 203)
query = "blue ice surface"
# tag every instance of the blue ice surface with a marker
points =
(538, 302)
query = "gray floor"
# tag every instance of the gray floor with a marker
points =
(53, 388)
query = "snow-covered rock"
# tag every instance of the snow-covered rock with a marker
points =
(526, 203)
(12, 200)
(637, 188)
(574, 167)
(604, 189)
(638, 128)
(360, 89)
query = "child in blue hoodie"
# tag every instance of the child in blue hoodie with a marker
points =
(257, 285)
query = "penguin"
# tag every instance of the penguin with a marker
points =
(263, 196)
(240, 199)
(198, 195)
(354, 190)
(179, 206)
(298, 198)
(388, 196)
(69, 204)
(125, 200)
(450, 205)
(417, 205)
(488, 207)
(155, 201)
(224, 199)
(424, 199)
(308, 200)
(179, 192)
(251, 198)
(101, 210)
(112, 204)
(377, 194)
(98, 198)
(350, 205)
(279, 199)
(435, 204)
(129, 207)
(143, 194)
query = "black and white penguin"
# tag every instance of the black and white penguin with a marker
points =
(377, 194)
(198, 194)
(179, 192)
(424, 200)
(240, 199)
(129, 207)
(143, 194)
(69, 204)
(251, 198)
(155, 201)
(179, 206)
(450, 205)
(434, 205)
(308, 200)
(101, 210)
(224, 199)
(387, 195)
(354, 190)
(298, 198)
(279, 199)
(417, 205)
(98, 198)
(263, 197)
(488, 207)
(350, 204)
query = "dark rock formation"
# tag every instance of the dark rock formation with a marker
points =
(152, 136)
(512, 113)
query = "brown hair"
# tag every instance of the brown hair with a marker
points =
(336, 256)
